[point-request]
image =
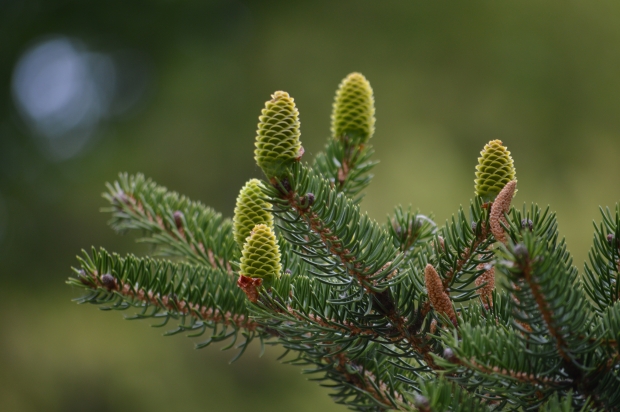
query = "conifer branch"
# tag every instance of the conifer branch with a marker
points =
(525, 266)
(602, 274)
(441, 395)
(360, 385)
(201, 298)
(410, 231)
(334, 344)
(497, 357)
(178, 226)
(367, 382)
(350, 248)
(462, 248)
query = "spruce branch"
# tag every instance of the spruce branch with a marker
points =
(198, 297)
(464, 246)
(541, 277)
(331, 230)
(610, 326)
(173, 223)
(363, 384)
(563, 311)
(442, 395)
(564, 404)
(602, 275)
(497, 359)
(323, 334)
(343, 245)
(410, 231)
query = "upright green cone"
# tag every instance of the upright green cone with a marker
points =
(277, 138)
(495, 169)
(353, 114)
(250, 211)
(260, 257)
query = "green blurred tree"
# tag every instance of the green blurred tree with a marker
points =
(399, 316)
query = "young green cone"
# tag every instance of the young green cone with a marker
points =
(277, 138)
(494, 170)
(250, 211)
(353, 114)
(260, 257)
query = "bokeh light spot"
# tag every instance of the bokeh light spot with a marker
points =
(63, 91)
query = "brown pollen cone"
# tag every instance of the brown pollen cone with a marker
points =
(250, 286)
(500, 206)
(488, 277)
(439, 299)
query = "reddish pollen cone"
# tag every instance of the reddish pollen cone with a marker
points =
(250, 286)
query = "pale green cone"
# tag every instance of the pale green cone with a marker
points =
(250, 211)
(277, 138)
(494, 170)
(260, 257)
(353, 113)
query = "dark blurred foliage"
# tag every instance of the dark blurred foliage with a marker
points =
(190, 80)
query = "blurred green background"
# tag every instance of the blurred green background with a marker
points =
(174, 89)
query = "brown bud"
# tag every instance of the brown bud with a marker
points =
(610, 238)
(178, 219)
(108, 281)
(527, 224)
(440, 300)
(501, 205)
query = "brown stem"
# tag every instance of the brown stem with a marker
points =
(170, 303)
(346, 327)
(523, 377)
(541, 302)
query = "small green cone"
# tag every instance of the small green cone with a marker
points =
(494, 170)
(250, 211)
(260, 257)
(277, 138)
(353, 113)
